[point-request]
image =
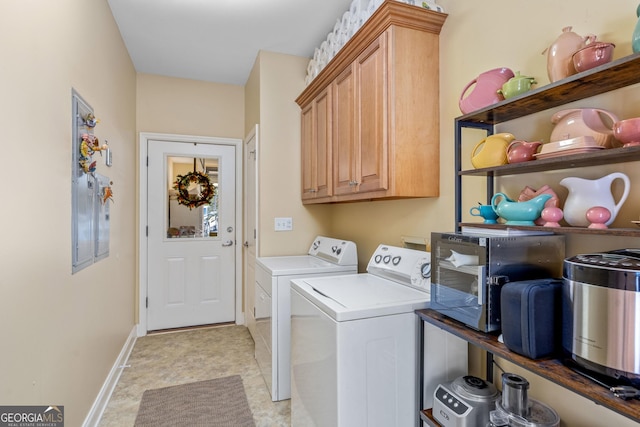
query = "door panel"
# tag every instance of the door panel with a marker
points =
(372, 167)
(307, 123)
(344, 139)
(322, 149)
(191, 259)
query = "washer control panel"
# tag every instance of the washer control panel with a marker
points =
(336, 251)
(407, 266)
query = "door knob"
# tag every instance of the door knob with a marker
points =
(228, 243)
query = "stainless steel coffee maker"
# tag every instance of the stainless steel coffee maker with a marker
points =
(515, 409)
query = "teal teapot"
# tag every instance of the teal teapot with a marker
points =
(519, 213)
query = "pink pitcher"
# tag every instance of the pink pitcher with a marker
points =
(486, 88)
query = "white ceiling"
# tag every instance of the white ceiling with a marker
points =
(218, 40)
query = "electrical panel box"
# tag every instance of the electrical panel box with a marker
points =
(90, 204)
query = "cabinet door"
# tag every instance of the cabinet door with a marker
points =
(372, 166)
(344, 132)
(316, 147)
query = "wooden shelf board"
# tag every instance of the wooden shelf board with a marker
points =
(573, 88)
(606, 156)
(624, 232)
(549, 368)
(426, 415)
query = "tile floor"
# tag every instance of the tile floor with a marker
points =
(165, 359)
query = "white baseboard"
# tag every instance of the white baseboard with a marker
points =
(100, 404)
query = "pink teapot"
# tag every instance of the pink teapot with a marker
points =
(522, 151)
(485, 91)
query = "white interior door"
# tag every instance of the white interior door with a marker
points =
(191, 258)
(250, 226)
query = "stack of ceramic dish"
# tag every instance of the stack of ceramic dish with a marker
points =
(566, 147)
(345, 27)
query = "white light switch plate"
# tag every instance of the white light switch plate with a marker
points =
(283, 224)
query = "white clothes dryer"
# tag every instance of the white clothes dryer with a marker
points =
(326, 256)
(354, 339)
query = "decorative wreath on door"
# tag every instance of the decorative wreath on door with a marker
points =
(207, 189)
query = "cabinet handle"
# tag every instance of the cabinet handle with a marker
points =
(313, 190)
(353, 183)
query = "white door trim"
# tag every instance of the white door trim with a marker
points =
(143, 210)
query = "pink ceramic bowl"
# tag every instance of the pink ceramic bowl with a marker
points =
(592, 55)
(627, 131)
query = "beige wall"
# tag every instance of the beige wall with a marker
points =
(61, 332)
(189, 107)
(476, 37)
(280, 80)
(252, 98)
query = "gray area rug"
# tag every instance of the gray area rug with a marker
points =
(220, 402)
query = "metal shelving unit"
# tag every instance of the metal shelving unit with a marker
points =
(605, 78)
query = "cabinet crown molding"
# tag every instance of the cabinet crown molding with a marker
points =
(390, 13)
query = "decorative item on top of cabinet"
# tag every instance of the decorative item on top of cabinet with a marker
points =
(382, 126)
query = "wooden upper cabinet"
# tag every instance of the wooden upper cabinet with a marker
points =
(383, 130)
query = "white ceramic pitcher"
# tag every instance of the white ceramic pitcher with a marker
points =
(585, 194)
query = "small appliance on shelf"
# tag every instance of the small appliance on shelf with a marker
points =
(470, 269)
(600, 294)
(465, 401)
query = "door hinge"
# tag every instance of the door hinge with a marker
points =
(147, 161)
(146, 302)
(146, 231)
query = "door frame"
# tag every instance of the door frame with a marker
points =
(143, 209)
(248, 287)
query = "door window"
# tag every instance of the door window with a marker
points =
(192, 186)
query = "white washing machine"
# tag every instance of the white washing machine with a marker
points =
(326, 257)
(354, 354)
